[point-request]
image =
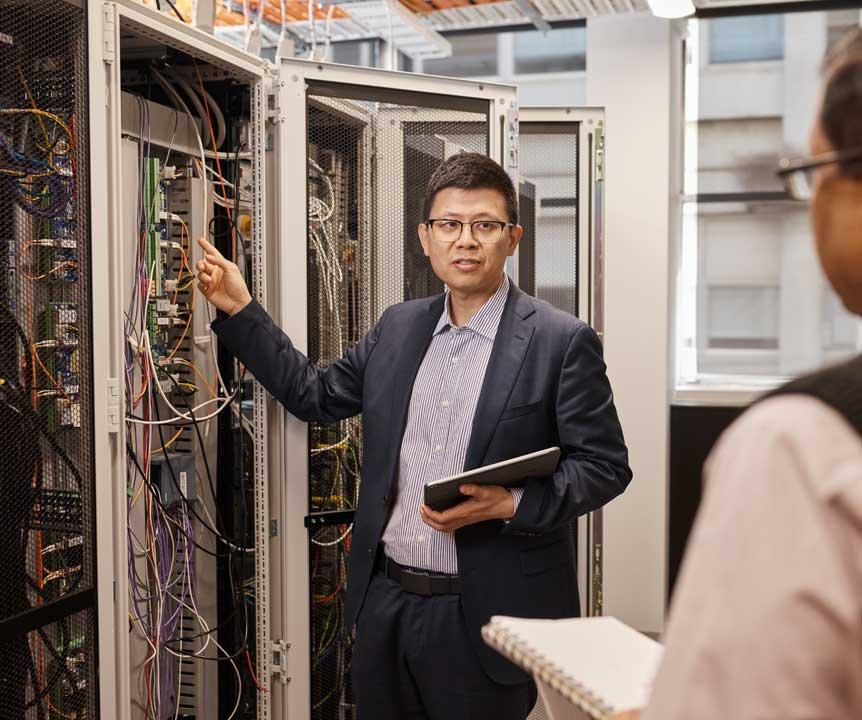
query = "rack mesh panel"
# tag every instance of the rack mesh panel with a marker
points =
(548, 253)
(548, 155)
(369, 162)
(46, 467)
(527, 246)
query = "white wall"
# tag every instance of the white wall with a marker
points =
(551, 90)
(629, 67)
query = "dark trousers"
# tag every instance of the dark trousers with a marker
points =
(412, 660)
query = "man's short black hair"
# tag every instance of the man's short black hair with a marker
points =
(472, 171)
(841, 109)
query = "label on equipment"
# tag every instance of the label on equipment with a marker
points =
(184, 483)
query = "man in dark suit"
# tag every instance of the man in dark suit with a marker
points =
(444, 384)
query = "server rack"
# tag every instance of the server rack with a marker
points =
(562, 154)
(398, 128)
(354, 149)
(155, 87)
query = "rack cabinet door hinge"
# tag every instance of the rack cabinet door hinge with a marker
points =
(274, 113)
(113, 405)
(108, 45)
(279, 659)
(600, 152)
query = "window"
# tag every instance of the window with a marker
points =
(743, 317)
(563, 50)
(473, 55)
(752, 300)
(746, 39)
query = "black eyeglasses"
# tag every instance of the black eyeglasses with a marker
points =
(798, 173)
(447, 230)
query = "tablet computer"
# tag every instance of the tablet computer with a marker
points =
(444, 493)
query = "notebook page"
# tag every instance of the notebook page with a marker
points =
(611, 660)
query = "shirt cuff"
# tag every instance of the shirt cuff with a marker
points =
(517, 494)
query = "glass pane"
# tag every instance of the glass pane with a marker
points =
(746, 39)
(472, 56)
(752, 299)
(742, 317)
(555, 51)
(743, 117)
(763, 306)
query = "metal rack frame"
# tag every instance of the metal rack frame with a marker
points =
(588, 124)
(106, 20)
(288, 206)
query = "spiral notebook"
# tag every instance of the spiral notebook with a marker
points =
(600, 665)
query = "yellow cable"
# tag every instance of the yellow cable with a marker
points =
(39, 113)
(32, 100)
(169, 442)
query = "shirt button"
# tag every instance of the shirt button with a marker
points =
(445, 403)
(454, 361)
(420, 539)
(438, 449)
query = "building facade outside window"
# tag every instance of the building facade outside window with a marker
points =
(549, 68)
(752, 303)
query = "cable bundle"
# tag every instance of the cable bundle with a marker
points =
(168, 525)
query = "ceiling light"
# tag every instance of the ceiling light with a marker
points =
(671, 8)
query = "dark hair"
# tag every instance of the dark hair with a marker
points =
(471, 171)
(841, 109)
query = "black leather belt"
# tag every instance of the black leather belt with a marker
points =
(418, 582)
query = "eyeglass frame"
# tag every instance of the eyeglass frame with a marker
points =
(789, 166)
(503, 225)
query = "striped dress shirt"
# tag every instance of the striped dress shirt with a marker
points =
(442, 407)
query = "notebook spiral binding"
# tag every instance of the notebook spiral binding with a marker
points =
(499, 637)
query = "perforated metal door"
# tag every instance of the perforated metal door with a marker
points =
(47, 560)
(370, 156)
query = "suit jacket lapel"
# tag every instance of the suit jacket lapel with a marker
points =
(507, 357)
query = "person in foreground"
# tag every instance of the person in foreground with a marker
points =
(478, 375)
(766, 621)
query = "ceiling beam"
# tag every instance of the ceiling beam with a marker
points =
(776, 8)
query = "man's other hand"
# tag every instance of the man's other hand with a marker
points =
(220, 281)
(484, 502)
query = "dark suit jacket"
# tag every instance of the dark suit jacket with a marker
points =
(545, 385)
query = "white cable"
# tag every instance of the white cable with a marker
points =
(390, 48)
(236, 548)
(244, 194)
(167, 87)
(334, 542)
(220, 124)
(218, 647)
(147, 349)
(313, 51)
(229, 205)
(194, 98)
(328, 32)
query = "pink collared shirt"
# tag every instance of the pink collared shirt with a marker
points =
(766, 620)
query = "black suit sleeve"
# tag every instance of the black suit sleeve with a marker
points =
(310, 393)
(594, 468)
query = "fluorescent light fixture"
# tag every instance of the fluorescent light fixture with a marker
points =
(671, 8)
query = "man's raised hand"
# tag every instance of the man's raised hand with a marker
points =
(220, 281)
